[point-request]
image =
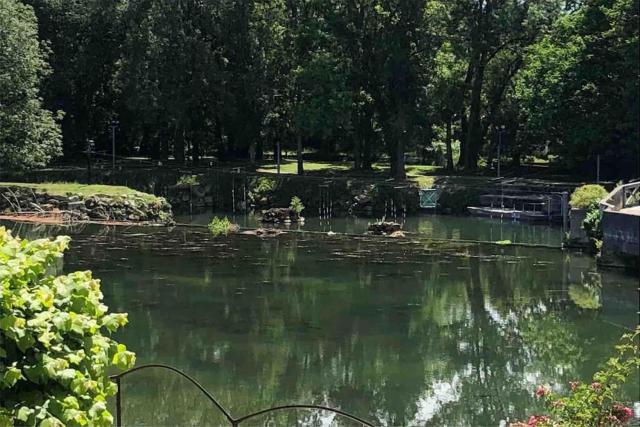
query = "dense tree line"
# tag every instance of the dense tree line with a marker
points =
(368, 79)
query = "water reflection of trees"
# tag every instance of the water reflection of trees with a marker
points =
(397, 333)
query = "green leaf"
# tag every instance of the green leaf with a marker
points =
(11, 376)
(51, 422)
(23, 413)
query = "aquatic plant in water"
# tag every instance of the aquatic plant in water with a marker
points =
(296, 205)
(55, 344)
(221, 226)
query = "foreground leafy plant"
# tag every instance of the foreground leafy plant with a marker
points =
(594, 404)
(55, 345)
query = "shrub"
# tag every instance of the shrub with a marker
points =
(587, 195)
(188, 180)
(456, 199)
(221, 226)
(261, 190)
(296, 205)
(55, 345)
(595, 403)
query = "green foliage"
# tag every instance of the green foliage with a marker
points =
(296, 205)
(29, 134)
(578, 89)
(261, 190)
(592, 225)
(585, 297)
(55, 345)
(188, 180)
(587, 195)
(457, 199)
(221, 226)
(595, 404)
(370, 80)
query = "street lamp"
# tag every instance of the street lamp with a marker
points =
(89, 150)
(114, 125)
(501, 132)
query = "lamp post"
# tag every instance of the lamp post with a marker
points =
(501, 131)
(89, 149)
(114, 125)
(278, 155)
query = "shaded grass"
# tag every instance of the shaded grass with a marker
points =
(64, 188)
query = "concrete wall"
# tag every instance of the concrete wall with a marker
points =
(576, 232)
(621, 234)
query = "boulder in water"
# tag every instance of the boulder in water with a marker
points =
(280, 215)
(385, 228)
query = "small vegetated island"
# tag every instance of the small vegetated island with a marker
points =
(64, 202)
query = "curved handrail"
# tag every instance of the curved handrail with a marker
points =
(233, 421)
(171, 368)
(285, 407)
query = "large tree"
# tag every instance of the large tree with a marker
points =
(29, 134)
(85, 38)
(579, 89)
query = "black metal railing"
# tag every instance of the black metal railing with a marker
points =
(233, 421)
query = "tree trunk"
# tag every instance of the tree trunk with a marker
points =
(448, 142)
(299, 153)
(462, 161)
(195, 149)
(474, 136)
(399, 172)
(357, 156)
(178, 145)
(366, 155)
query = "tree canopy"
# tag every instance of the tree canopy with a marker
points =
(364, 80)
(29, 134)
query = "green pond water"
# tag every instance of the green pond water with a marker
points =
(428, 225)
(398, 332)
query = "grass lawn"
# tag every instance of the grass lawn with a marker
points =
(64, 188)
(291, 167)
(423, 175)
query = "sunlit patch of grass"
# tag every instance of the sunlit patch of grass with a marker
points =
(422, 175)
(64, 188)
(291, 167)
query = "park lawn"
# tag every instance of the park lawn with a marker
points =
(422, 175)
(64, 188)
(291, 167)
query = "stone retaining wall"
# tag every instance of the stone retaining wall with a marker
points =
(227, 190)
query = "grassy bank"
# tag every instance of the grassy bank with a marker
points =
(65, 188)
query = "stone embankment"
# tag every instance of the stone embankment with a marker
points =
(74, 207)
